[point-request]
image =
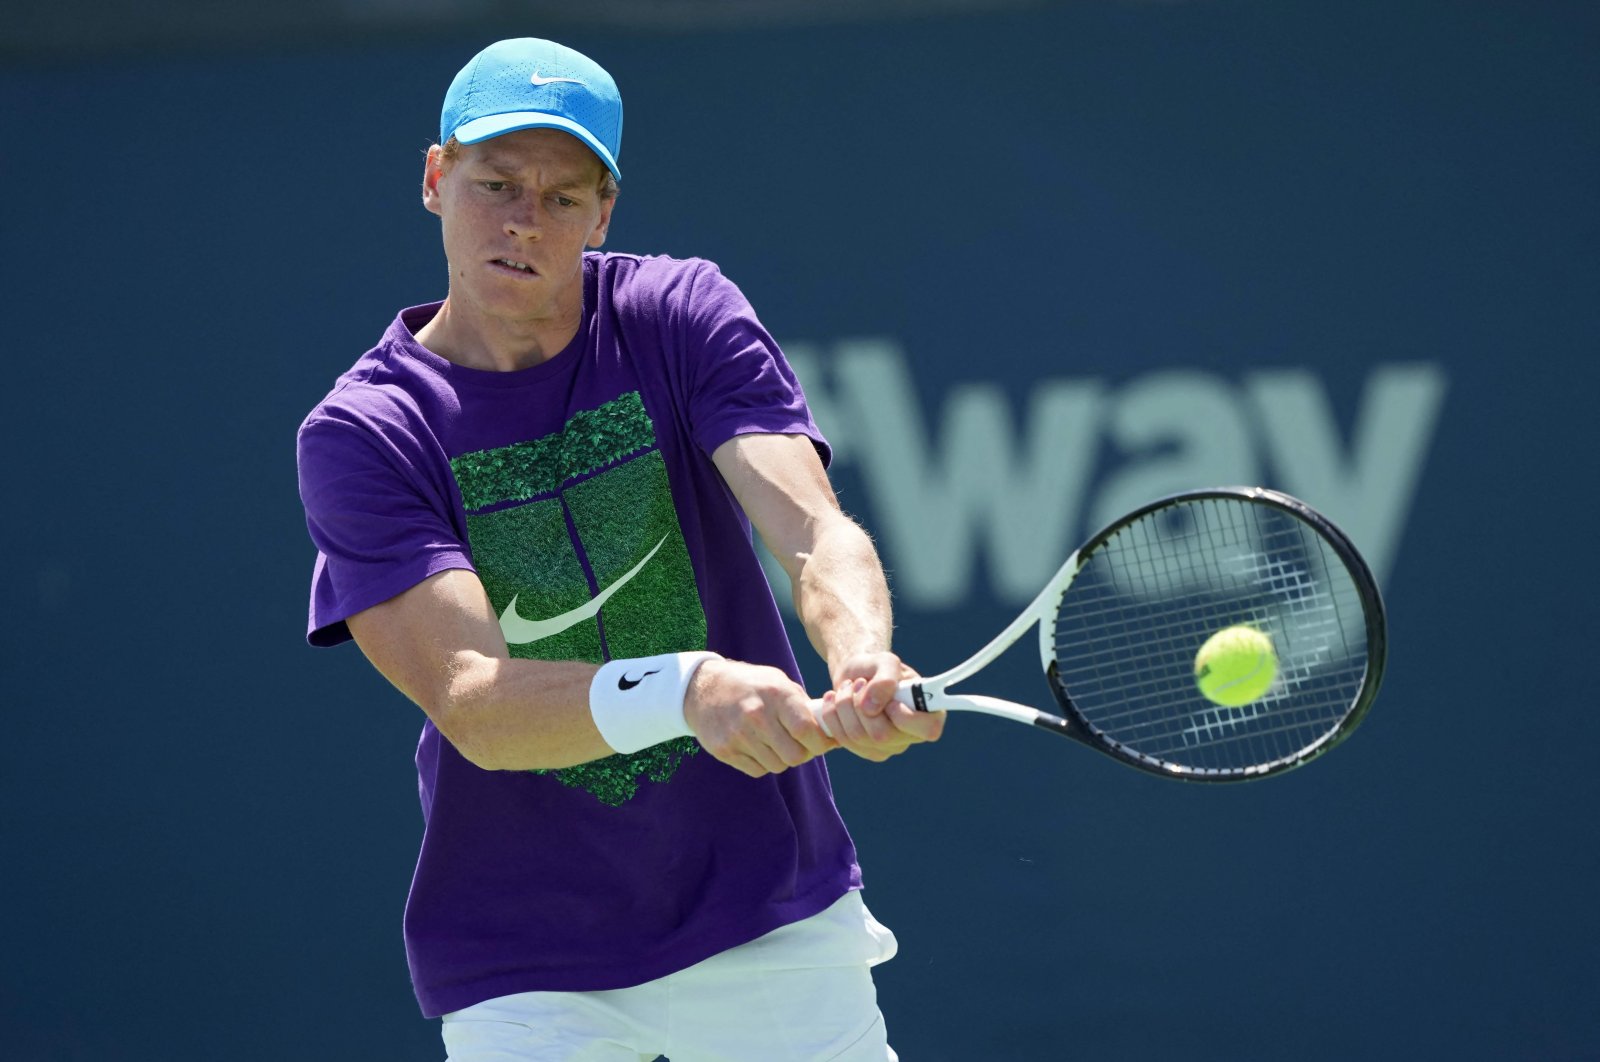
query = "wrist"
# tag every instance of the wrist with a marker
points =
(638, 702)
(857, 659)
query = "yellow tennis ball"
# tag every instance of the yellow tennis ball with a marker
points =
(1235, 666)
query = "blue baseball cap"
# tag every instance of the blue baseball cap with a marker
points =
(528, 83)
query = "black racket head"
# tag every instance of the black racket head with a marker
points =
(1154, 585)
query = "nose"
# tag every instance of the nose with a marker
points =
(524, 219)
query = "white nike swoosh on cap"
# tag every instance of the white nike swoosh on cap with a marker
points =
(537, 80)
(519, 631)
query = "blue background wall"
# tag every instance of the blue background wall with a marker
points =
(206, 829)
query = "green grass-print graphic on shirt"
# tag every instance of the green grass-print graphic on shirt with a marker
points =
(604, 474)
(527, 553)
(590, 440)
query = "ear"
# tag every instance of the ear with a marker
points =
(432, 170)
(597, 235)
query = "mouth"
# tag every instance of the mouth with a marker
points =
(514, 266)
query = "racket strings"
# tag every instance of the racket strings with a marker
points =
(1128, 628)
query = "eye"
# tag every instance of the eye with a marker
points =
(565, 200)
(494, 187)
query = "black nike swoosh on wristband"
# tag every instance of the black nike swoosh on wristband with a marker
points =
(626, 683)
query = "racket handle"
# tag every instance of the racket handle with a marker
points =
(908, 693)
(815, 704)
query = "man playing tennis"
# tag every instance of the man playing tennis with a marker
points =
(532, 506)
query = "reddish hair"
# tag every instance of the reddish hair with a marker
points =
(451, 150)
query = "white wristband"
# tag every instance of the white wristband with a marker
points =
(637, 703)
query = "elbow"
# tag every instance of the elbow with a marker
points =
(500, 722)
(480, 754)
(457, 712)
(462, 736)
(475, 747)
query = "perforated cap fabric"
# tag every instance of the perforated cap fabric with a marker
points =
(528, 83)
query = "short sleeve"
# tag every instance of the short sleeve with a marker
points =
(740, 382)
(378, 525)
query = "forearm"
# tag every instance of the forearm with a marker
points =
(507, 714)
(841, 595)
(843, 599)
(752, 717)
(440, 644)
(840, 592)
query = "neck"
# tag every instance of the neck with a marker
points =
(496, 345)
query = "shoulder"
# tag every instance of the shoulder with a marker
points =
(645, 282)
(384, 388)
(379, 408)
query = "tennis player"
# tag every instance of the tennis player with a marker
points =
(532, 506)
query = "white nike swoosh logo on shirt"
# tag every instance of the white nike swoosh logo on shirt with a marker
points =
(519, 631)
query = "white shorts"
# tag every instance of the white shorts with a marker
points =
(802, 993)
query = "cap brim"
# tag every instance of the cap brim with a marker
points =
(493, 125)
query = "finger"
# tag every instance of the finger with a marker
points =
(870, 737)
(800, 719)
(878, 728)
(826, 713)
(753, 742)
(918, 726)
(744, 764)
(765, 756)
(880, 688)
(852, 731)
(773, 746)
(854, 736)
(786, 723)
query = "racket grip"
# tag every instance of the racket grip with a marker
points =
(815, 704)
(907, 693)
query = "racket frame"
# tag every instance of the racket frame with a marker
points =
(932, 694)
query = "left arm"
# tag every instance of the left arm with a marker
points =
(840, 591)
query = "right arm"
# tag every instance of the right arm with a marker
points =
(440, 644)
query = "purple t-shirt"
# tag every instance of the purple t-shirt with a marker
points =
(553, 484)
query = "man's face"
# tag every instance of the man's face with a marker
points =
(517, 212)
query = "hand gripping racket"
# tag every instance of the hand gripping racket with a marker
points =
(1120, 625)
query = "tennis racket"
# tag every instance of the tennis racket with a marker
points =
(1121, 622)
